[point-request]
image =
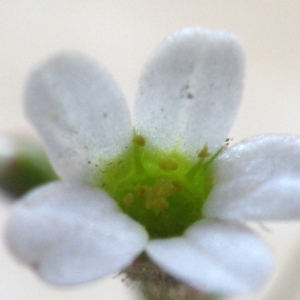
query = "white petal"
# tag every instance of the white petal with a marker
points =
(73, 234)
(257, 179)
(214, 257)
(190, 91)
(79, 112)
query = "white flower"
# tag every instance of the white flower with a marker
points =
(177, 196)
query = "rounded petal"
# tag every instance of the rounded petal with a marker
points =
(72, 234)
(79, 112)
(257, 179)
(190, 91)
(215, 257)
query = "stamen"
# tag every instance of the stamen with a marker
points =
(155, 197)
(138, 142)
(203, 154)
(190, 175)
(168, 164)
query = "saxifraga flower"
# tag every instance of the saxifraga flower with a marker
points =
(161, 188)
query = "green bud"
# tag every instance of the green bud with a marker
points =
(23, 165)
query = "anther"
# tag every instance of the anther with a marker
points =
(139, 140)
(168, 164)
(204, 152)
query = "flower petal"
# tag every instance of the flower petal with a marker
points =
(190, 91)
(257, 179)
(214, 257)
(79, 112)
(73, 234)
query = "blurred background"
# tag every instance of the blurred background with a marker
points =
(122, 35)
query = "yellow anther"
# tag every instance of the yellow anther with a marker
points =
(168, 164)
(139, 140)
(204, 152)
(155, 197)
(128, 199)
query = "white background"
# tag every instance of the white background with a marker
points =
(122, 35)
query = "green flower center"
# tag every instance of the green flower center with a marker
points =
(163, 191)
